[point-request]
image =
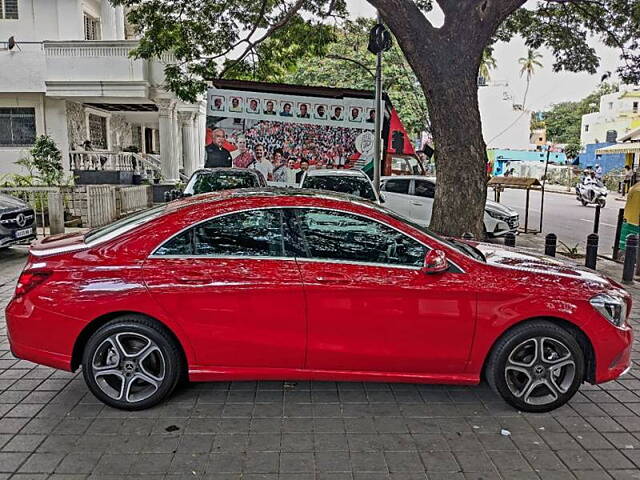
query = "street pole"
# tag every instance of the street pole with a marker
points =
(377, 153)
(544, 182)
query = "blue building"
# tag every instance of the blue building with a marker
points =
(607, 162)
(501, 157)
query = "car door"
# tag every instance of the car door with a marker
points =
(396, 196)
(369, 305)
(424, 192)
(237, 295)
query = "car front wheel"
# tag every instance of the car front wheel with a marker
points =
(536, 367)
(131, 363)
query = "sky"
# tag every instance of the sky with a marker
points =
(547, 87)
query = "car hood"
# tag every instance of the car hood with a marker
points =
(526, 261)
(9, 202)
(498, 207)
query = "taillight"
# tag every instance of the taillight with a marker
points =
(29, 280)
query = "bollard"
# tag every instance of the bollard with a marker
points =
(630, 258)
(596, 221)
(592, 251)
(510, 239)
(550, 244)
(467, 236)
(616, 242)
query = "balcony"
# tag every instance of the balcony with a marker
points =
(80, 69)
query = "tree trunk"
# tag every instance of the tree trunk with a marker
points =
(461, 156)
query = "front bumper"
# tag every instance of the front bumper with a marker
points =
(612, 348)
(500, 227)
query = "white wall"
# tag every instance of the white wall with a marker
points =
(40, 20)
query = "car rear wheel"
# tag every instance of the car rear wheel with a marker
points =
(536, 367)
(131, 363)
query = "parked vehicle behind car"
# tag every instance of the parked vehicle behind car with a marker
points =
(412, 196)
(213, 179)
(17, 221)
(353, 182)
(292, 285)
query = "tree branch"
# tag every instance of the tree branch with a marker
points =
(347, 59)
(270, 31)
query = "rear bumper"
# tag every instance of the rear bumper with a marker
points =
(41, 336)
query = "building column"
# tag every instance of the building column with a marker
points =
(188, 142)
(120, 35)
(108, 21)
(170, 162)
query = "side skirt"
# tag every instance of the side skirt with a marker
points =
(211, 374)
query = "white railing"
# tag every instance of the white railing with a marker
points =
(135, 198)
(96, 160)
(101, 205)
(89, 48)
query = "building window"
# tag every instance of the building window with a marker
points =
(610, 105)
(8, 9)
(98, 132)
(635, 107)
(91, 27)
(17, 127)
(586, 128)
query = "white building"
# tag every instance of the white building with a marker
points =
(618, 115)
(70, 76)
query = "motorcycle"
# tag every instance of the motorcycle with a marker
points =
(592, 193)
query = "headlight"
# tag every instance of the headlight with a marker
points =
(497, 215)
(611, 307)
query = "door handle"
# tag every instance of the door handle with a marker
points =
(191, 277)
(417, 204)
(330, 277)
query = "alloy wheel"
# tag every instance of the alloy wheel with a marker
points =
(539, 370)
(128, 367)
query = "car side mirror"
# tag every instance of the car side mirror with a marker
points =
(435, 262)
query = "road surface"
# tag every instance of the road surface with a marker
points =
(566, 217)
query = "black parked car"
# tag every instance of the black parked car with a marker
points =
(17, 221)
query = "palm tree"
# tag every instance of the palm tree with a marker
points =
(487, 64)
(529, 65)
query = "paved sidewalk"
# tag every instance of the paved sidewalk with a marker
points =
(51, 427)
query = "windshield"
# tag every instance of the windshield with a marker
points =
(205, 182)
(124, 224)
(462, 247)
(360, 187)
(406, 166)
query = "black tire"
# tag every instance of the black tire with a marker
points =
(135, 375)
(602, 203)
(506, 375)
(584, 203)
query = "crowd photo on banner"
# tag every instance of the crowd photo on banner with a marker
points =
(284, 137)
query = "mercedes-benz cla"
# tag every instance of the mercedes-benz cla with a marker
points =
(291, 284)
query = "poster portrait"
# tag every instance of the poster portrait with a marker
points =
(355, 114)
(236, 104)
(270, 106)
(253, 105)
(337, 113)
(217, 104)
(320, 111)
(303, 110)
(286, 108)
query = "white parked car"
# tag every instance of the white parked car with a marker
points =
(412, 197)
(351, 181)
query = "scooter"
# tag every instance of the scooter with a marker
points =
(592, 193)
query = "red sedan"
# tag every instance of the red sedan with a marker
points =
(281, 285)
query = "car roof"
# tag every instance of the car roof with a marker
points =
(223, 169)
(265, 192)
(408, 177)
(336, 173)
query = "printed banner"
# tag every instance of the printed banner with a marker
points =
(283, 135)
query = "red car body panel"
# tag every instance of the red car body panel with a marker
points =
(287, 318)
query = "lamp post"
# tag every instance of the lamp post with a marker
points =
(379, 41)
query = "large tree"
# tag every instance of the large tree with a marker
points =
(215, 37)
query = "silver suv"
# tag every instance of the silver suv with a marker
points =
(17, 221)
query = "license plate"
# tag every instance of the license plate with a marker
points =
(23, 233)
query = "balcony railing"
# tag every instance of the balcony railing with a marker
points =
(148, 166)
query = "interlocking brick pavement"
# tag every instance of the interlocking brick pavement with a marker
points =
(51, 427)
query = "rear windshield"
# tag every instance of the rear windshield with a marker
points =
(361, 187)
(124, 224)
(214, 181)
